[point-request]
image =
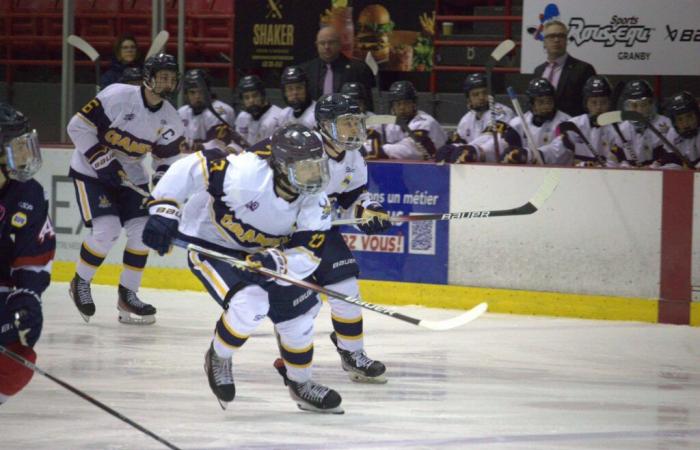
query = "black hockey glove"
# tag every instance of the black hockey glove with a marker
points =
(161, 227)
(515, 156)
(271, 259)
(109, 170)
(24, 307)
(158, 174)
(376, 219)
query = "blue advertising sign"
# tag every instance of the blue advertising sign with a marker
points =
(413, 251)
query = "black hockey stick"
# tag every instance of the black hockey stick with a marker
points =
(613, 117)
(519, 111)
(33, 367)
(568, 126)
(82, 45)
(435, 325)
(496, 55)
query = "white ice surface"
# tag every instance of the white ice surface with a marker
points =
(499, 382)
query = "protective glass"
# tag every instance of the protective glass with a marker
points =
(309, 176)
(22, 156)
(348, 131)
(643, 106)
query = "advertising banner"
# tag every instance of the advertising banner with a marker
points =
(413, 251)
(632, 37)
(278, 33)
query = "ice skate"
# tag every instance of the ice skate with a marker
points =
(359, 366)
(79, 291)
(309, 395)
(220, 374)
(132, 310)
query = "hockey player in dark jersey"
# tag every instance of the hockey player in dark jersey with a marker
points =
(27, 246)
(112, 134)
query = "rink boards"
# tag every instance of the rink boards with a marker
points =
(593, 250)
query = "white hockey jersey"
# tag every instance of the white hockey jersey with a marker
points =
(600, 138)
(231, 203)
(348, 183)
(425, 137)
(120, 119)
(205, 127)
(473, 123)
(690, 148)
(307, 118)
(639, 147)
(257, 130)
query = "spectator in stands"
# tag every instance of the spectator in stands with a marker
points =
(126, 54)
(566, 73)
(331, 69)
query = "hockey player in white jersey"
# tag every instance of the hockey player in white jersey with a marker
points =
(272, 213)
(112, 134)
(259, 118)
(683, 110)
(295, 91)
(415, 135)
(202, 128)
(543, 120)
(640, 145)
(341, 125)
(476, 121)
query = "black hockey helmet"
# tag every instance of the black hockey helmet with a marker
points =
(293, 74)
(474, 81)
(402, 90)
(340, 120)
(331, 106)
(196, 78)
(131, 75)
(20, 155)
(681, 103)
(355, 90)
(297, 152)
(156, 63)
(539, 87)
(637, 90)
(596, 86)
(250, 83)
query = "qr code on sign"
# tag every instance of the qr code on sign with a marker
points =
(421, 237)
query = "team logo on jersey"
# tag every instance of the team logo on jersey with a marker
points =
(46, 231)
(326, 205)
(252, 205)
(104, 202)
(129, 117)
(26, 205)
(663, 127)
(126, 143)
(346, 181)
(19, 220)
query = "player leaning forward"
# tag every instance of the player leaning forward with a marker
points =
(255, 206)
(112, 135)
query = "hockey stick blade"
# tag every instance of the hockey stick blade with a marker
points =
(609, 118)
(83, 46)
(462, 319)
(431, 325)
(545, 191)
(34, 368)
(158, 43)
(380, 119)
(500, 51)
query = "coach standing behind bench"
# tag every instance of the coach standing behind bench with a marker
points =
(342, 69)
(566, 73)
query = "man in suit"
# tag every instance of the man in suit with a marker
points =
(342, 69)
(566, 73)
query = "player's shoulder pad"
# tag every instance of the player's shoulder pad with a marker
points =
(261, 148)
(32, 201)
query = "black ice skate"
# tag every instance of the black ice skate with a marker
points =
(79, 291)
(309, 395)
(359, 366)
(220, 374)
(132, 310)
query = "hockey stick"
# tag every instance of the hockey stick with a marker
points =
(530, 141)
(613, 117)
(380, 119)
(33, 367)
(572, 127)
(436, 325)
(235, 136)
(158, 43)
(130, 184)
(545, 190)
(82, 45)
(496, 55)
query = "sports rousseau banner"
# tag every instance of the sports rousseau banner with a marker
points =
(631, 37)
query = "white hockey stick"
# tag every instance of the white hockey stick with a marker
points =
(496, 55)
(82, 45)
(435, 325)
(545, 190)
(158, 43)
(130, 184)
(380, 119)
(530, 141)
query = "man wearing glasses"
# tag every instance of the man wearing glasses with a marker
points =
(566, 73)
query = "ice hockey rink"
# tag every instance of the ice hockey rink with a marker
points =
(502, 381)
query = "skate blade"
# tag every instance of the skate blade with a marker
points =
(128, 318)
(222, 403)
(85, 317)
(309, 408)
(358, 378)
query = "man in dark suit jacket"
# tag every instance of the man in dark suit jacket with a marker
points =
(343, 69)
(566, 73)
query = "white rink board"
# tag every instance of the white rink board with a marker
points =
(599, 233)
